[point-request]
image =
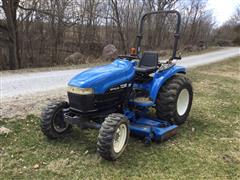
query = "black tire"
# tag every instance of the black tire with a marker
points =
(107, 135)
(167, 100)
(52, 116)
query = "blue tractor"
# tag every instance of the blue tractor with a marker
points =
(116, 99)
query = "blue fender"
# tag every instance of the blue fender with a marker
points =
(161, 77)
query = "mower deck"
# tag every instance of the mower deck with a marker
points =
(153, 130)
(150, 129)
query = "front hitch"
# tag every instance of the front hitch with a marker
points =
(74, 119)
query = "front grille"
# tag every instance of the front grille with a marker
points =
(99, 102)
(82, 103)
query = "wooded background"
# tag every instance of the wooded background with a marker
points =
(41, 33)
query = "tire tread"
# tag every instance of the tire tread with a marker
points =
(46, 120)
(167, 99)
(106, 135)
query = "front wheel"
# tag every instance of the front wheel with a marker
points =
(52, 120)
(174, 100)
(113, 136)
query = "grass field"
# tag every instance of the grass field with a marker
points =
(206, 147)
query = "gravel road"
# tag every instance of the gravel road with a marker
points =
(13, 85)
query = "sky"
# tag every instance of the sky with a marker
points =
(222, 9)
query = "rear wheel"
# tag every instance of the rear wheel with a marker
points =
(113, 136)
(52, 121)
(175, 100)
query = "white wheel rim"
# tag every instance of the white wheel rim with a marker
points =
(120, 138)
(183, 102)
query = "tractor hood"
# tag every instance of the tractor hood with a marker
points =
(104, 77)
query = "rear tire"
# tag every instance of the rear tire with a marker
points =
(174, 100)
(113, 137)
(52, 121)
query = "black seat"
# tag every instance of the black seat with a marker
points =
(148, 63)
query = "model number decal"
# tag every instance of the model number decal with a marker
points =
(119, 87)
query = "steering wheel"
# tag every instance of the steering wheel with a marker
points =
(128, 57)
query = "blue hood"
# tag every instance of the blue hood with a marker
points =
(104, 77)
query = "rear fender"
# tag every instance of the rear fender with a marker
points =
(161, 77)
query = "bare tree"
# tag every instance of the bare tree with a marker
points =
(229, 32)
(10, 29)
(45, 32)
(116, 17)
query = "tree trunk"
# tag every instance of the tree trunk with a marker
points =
(10, 9)
(14, 59)
(119, 26)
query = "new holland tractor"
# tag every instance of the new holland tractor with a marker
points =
(117, 98)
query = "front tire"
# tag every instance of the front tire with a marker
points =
(52, 120)
(113, 136)
(174, 100)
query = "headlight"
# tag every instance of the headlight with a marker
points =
(80, 91)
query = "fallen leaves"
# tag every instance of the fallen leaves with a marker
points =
(58, 165)
(36, 166)
(4, 131)
(86, 152)
(44, 163)
(193, 129)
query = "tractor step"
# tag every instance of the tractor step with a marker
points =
(143, 102)
(153, 130)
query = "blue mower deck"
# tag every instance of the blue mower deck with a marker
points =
(153, 130)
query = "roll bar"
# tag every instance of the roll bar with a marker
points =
(176, 35)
